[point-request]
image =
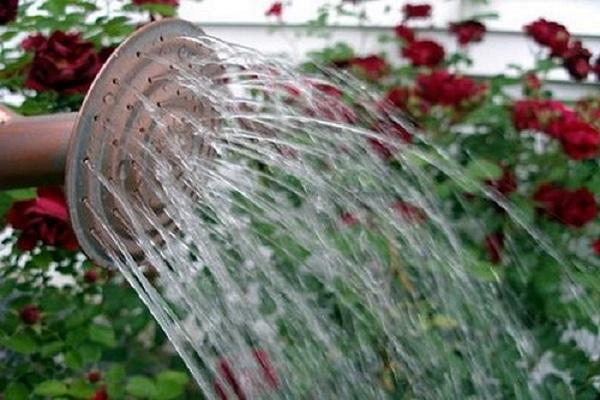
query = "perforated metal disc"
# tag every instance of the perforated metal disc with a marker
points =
(113, 115)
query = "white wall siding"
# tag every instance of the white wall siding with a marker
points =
(491, 56)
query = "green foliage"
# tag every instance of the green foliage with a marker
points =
(83, 327)
(104, 327)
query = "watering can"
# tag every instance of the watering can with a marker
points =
(63, 148)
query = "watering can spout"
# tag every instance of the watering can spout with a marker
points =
(33, 150)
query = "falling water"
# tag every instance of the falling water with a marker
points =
(293, 247)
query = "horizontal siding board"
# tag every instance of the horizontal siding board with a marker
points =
(491, 57)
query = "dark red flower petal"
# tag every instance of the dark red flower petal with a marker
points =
(405, 33)
(411, 11)
(469, 31)
(8, 11)
(30, 314)
(424, 53)
(275, 10)
(494, 244)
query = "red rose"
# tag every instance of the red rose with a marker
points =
(173, 3)
(30, 314)
(578, 208)
(393, 130)
(532, 82)
(408, 212)
(8, 11)
(424, 53)
(506, 184)
(576, 60)
(100, 394)
(330, 105)
(94, 376)
(494, 244)
(262, 377)
(399, 97)
(579, 139)
(33, 42)
(348, 219)
(329, 90)
(550, 34)
(382, 149)
(549, 196)
(64, 62)
(90, 276)
(416, 11)
(275, 10)
(44, 219)
(444, 88)
(470, 31)
(596, 246)
(405, 33)
(570, 207)
(597, 68)
(373, 67)
(589, 109)
(546, 116)
(106, 52)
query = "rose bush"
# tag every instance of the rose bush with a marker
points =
(69, 329)
(541, 153)
(88, 336)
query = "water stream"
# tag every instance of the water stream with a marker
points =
(301, 249)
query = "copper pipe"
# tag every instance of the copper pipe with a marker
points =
(33, 150)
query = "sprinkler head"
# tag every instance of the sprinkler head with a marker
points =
(132, 109)
(116, 127)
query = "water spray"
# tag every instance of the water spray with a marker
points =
(300, 249)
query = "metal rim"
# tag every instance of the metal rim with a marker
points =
(109, 114)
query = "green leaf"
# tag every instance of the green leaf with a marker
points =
(16, 391)
(116, 374)
(73, 360)
(167, 391)
(114, 379)
(483, 169)
(486, 271)
(51, 349)
(50, 388)
(141, 386)
(21, 343)
(176, 377)
(81, 389)
(102, 334)
(89, 353)
(5, 203)
(22, 194)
